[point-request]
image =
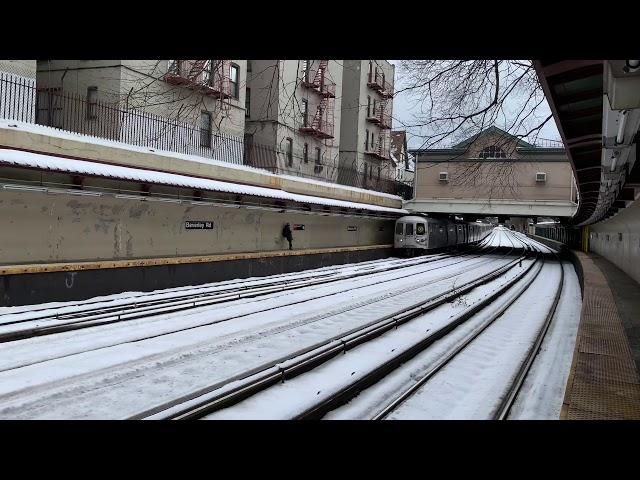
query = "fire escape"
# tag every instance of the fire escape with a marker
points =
(380, 114)
(379, 148)
(321, 125)
(209, 77)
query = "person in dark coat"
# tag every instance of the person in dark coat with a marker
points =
(286, 233)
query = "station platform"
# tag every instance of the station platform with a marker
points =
(27, 284)
(603, 383)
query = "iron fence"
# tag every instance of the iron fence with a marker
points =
(20, 100)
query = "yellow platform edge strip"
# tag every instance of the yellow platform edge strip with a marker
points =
(149, 262)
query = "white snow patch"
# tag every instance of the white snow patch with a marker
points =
(48, 162)
(57, 133)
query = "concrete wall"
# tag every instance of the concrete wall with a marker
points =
(40, 227)
(42, 286)
(604, 239)
(24, 68)
(495, 180)
(75, 76)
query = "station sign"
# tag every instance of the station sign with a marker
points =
(298, 226)
(352, 228)
(198, 225)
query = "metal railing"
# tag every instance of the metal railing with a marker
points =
(20, 100)
(547, 143)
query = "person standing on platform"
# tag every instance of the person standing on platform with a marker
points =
(286, 233)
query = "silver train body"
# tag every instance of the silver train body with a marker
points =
(414, 233)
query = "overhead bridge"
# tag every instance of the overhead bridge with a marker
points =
(492, 207)
(495, 173)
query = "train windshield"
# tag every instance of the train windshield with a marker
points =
(399, 228)
(420, 229)
(409, 229)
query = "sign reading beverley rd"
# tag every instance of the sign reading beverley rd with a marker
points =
(198, 225)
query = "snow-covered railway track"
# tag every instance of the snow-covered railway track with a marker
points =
(333, 390)
(233, 392)
(38, 322)
(478, 373)
(92, 373)
(504, 405)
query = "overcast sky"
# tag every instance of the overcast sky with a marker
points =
(404, 109)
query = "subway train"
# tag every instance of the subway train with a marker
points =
(415, 234)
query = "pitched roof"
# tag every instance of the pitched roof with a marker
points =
(490, 130)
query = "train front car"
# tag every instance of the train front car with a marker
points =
(411, 235)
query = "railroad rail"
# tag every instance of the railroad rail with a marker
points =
(23, 325)
(221, 396)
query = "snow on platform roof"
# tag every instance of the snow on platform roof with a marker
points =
(55, 132)
(83, 167)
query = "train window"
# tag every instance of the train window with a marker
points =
(399, 228)
(420, 229)
(408, 229)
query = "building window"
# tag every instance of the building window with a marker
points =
(368, 105)
(305, 112)
(374, 107)
(92, 102)
(249, 68)
(305, 153)
(49, 103)
(247, 103)
(370, 172)
(408, 229)
(234, 75)
(205, 129)
(492, 152)
(378, 173)
(290, 152)
(318, 166)
(366, 141)
(370, 69)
